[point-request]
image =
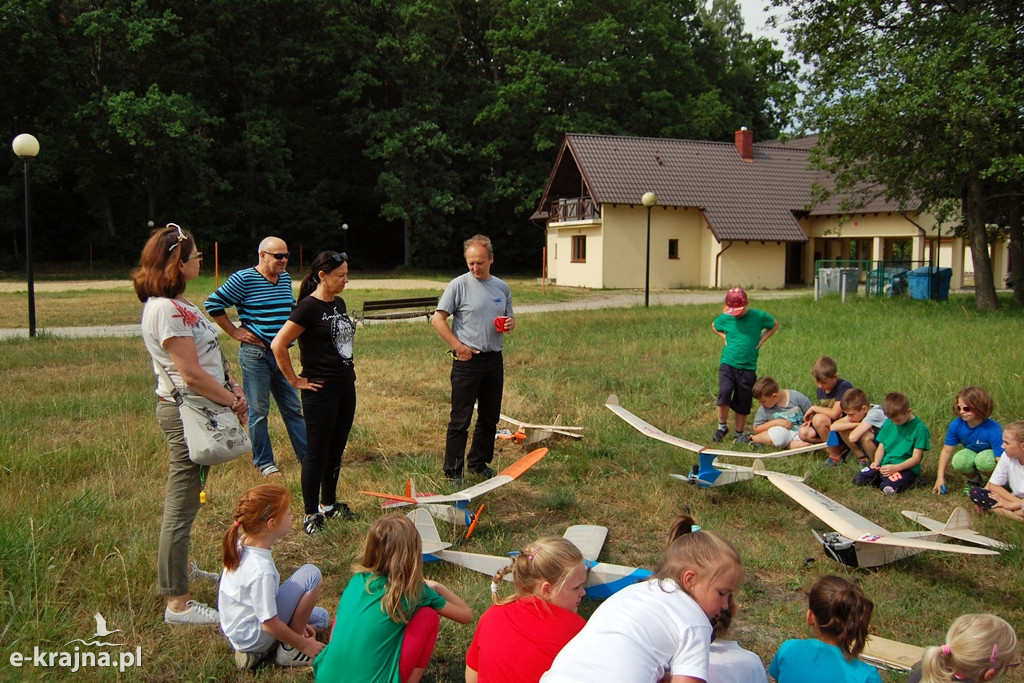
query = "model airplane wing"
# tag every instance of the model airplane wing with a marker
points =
(855, 527)
(891, 653)
(958, 526)
(647, 429)
(765, 456)
(508, 474)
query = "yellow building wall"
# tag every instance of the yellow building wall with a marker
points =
(625, 244)
(753, 264)
(569, 274)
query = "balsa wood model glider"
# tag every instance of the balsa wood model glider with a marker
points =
(603, 579)
(859, 542)
(856, 541)
(527, 433)
(650, 430)
(454, 508)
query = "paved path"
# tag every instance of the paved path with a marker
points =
(599, 300)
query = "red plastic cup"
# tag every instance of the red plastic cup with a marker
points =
(501, 322)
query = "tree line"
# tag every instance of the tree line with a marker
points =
(415, 122)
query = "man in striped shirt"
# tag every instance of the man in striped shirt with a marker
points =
(263, 297)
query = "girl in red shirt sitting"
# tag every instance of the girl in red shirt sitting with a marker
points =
(517, 638)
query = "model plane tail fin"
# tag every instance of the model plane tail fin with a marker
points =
(612, 400)
(958, 521)
(427, 530)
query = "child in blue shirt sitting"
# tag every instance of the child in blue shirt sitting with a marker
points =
(980, 436)
(839, 613)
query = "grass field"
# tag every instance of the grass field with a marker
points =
(82, 468)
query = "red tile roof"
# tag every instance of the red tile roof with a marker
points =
(756, 201)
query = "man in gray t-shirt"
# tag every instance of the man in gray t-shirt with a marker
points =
(480, 306)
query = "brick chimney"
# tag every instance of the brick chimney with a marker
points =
(744, 140)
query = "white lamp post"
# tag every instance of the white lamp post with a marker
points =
(26, 147)
(344, 231)
(649, 200)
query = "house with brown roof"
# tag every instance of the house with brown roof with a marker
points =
(738, 214)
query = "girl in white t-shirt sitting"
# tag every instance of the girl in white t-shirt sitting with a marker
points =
(257, 611)
(1004, 492)
(730, 663)
(660, 629)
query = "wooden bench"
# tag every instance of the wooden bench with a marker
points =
(397, 309)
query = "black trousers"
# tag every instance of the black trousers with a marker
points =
(329, 413)
(479, 380)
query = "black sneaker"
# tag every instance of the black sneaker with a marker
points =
(720, 434)
(485, 472)
(337, 510)
(313, 524)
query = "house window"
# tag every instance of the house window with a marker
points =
(673, 249)
(579, 249)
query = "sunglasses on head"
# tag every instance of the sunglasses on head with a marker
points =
(181, 236)
(279, 257)
(339, 257)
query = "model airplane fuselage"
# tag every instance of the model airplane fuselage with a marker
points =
(454, 508)
(527, 433)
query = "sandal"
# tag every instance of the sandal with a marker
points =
(270, 471)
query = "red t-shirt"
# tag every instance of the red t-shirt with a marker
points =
(516, 643)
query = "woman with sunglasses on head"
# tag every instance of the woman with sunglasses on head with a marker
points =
(184, 343)
(324, 330)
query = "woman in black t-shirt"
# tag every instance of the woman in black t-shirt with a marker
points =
(324, 330)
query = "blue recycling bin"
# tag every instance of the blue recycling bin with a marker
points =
(920, 282)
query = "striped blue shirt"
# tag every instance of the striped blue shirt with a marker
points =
(263, 307)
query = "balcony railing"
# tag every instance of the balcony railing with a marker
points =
(575, 209)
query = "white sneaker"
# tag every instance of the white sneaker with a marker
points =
(197, 613)
(290, 656)
(889, 491)
(195, 573)
(247, 661)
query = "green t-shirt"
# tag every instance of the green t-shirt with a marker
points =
(741, 337)
(901, 440)
(365, 644)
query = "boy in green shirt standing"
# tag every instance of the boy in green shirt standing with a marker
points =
(743, 330)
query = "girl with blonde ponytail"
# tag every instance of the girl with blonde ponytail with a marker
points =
(978, 648)
(517, 639)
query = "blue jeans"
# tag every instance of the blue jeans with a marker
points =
(480, 380)
(260, 378)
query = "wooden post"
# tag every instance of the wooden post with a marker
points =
(90, 257)
(543, 269)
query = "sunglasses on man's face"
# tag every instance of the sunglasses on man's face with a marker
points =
(279, 257)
